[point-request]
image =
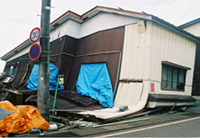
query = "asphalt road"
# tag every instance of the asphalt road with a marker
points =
(183, 128)
(170, 124)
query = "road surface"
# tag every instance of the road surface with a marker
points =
(182, 128)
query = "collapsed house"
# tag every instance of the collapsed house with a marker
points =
(134, 60)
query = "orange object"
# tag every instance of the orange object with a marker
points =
(24, 118)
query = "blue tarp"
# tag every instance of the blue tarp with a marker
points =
(33, 79)
(94, 81)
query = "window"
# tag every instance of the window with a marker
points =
(173, 78)
(12, 69)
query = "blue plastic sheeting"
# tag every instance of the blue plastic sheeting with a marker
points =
(33, 79)
(94, 81)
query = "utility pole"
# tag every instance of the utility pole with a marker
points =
(43, 79)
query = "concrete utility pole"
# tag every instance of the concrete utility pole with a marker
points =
(43, 81)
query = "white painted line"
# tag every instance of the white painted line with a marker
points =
(121, 122)
(141, 129)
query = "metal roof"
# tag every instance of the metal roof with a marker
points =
(189, 23)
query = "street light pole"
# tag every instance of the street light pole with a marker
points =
(43, 81)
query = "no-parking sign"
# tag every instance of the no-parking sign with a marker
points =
(35, 34)
(34, 51)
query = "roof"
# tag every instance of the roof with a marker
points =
(69, 15)
(93, 12)
(176, 29)
(189, 23)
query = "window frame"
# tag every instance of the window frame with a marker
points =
(12, 69)
(172, 75)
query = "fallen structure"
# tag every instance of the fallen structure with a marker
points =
(146, 62)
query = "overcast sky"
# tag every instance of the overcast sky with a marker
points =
(19, 17)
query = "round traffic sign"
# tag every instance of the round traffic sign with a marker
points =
(35, 34)
(34, 51)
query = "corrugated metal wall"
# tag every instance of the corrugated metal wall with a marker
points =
(135, 68)
(136, 53)
(128, 94)
(146, 45)
(170, 46)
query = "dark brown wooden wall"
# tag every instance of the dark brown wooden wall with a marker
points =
(22, 61)
(67, 58)
(102, 47)
(68, 54)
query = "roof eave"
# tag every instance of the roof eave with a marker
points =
(176, 29)
(189, 23)
(22, 46)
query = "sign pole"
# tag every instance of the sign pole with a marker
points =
(43, 81)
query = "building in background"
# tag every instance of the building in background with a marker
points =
(193, 27)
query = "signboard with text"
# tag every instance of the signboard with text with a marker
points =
(35, 34)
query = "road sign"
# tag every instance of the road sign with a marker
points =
(35, 34)
(34, 51)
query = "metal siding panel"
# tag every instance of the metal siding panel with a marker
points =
(129, 96)
(145, 90)
(135, 52)
(170, 46)
(153, 53)
(118, 94)
(137, 94)
(141, 56)
(147, 54)
(162, 46)
(126, 53)
(179, 49)
(121, 94)
(158, 54)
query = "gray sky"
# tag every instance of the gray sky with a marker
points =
(19, 17)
